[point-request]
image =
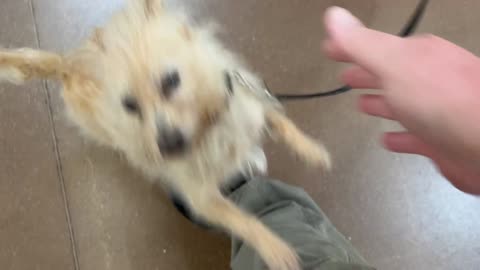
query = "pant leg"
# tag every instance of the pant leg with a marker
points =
(294, 216)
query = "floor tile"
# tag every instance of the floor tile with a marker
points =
(34, 231)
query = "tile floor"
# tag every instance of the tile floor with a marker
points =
(66, 204)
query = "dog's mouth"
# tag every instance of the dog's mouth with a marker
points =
(175, 153)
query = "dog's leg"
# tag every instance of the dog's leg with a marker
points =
(17, 66)
(209, 204)
(313, 152)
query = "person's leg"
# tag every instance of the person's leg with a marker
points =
(294, 216)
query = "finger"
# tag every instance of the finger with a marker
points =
(405, 142)
(334, 52)
(360, 78)
(366, 47)
(375, 105)
(461, 176)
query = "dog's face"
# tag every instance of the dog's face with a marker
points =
(150, 86)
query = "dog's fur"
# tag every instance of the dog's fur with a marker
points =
(128, 57)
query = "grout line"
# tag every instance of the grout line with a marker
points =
(56, 150)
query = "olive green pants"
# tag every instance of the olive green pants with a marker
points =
(294, 216)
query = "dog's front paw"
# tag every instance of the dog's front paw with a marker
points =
(317, 155)
(282, 257)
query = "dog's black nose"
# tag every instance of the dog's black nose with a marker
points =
(171, 141)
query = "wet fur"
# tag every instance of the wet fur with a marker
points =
(124, 58)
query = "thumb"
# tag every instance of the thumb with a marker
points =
(368, 48)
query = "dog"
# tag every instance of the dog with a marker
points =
(182, 108)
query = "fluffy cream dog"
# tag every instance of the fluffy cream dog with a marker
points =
(180, 107)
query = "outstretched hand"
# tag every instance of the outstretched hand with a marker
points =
(429, 85)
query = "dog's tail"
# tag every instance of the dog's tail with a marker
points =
(311, 151)
(18, 66)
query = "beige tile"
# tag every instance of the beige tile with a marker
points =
(33, 225)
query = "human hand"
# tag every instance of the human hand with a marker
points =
(429, 85)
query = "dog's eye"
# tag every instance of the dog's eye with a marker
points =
(170, 83)
(131, 104)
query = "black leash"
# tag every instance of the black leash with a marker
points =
(406, 31)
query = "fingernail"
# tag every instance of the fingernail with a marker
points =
(341, 19)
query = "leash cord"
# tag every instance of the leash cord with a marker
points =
(408, 30)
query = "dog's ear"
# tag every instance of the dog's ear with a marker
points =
(17, 66)
(186, 32)
(97, 39)
(152, 7)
